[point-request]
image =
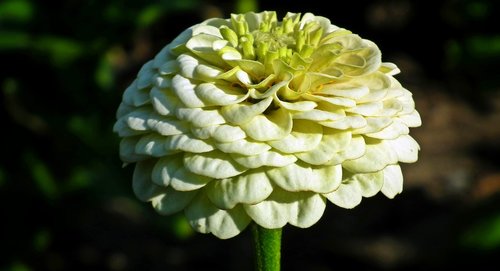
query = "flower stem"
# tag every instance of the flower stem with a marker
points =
(267, 247)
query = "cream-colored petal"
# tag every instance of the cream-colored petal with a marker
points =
(301, 209)
(243, 147)
(412, 119)
(187, 143)
(249, 188)
(393, 181)
(202, 46)
(348, 195)
(170, 171)
(142, 185)
(172, 201)
(406, 148)
(269, 158)
(165, 125)
(353, 92)
(153, 145)
(355, 149)
(204, 217)
(330, 144)
(218, 94)
(298, 177)
(373, 124)
(305, 136)
(394, 130)
(366, 109)
(184, 89)
(348, 122)
(215, 164)
(244, 112)
(369, 183)
(199, 117)
(273, 126)
(377, 156)
(164, 101)
(340, 101)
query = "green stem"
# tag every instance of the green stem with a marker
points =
(267, 247)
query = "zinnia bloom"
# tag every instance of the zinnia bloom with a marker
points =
(254, 119)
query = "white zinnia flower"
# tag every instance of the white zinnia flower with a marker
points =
(254, 119)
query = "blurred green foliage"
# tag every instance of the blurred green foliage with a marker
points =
(67, 202)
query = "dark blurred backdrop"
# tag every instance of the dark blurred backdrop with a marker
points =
(66, 203)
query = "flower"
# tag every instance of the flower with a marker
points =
(254, 119)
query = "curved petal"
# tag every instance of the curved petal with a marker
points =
(406, 148)
(305, 136)
(213, 164)
(274, 126)
(187, 143)
(170, 171)
(248, 188)
(244, 112)
(127, 150)
(243, 147)
(369, 183)
(199, 117)
(218, 94)
(204, 217)
(153, 145)
(348, 195)
(185, 91)
(301, 209)
(377, 156)
(302, 177)
(330, 144)
(164, 101)
(135, 96)
(393, 181)
(172, 201)
(268, 158)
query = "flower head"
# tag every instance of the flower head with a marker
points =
(255, 119)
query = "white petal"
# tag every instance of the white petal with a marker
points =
(369, 183)
(355, 149)
(348, 122)
(393, 181)
(353, 93)
(249, 188)
(168, 67)
(373, 124)
(218, 94)
(243, 147)
(153, 145)
(329, 99)
(273, 126)
(298, 177)
(405, 147)
(184, 89)
(170, 171)
(348, 195)
(166, 126)
(411, 120)
(202, 46)
(142, 184)
(366, 109)
(269, 158)
(204, 217)
(305, 136)
(213, 164)
(164, 101)
(244, 112)
(187, 143)
(301, 209)
(377, 156)
(199, 117)
(394, 130)
(227, 133)
(331, 143)
(172, 201)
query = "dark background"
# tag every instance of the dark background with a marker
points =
(66, 203)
